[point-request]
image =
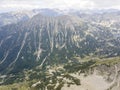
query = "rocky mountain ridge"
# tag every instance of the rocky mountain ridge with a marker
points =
(45, 41)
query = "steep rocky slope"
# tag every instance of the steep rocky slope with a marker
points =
(46, 41)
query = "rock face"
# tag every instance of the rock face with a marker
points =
(41, 39)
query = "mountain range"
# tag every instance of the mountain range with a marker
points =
(45, 38)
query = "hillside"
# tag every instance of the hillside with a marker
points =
(46, 49)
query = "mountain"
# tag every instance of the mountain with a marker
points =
(12, 17)
(18, 16)
(21, 16)
(44, 41)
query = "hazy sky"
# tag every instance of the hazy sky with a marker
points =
(8, 5)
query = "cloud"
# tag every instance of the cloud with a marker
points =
(73, 4)
(61, 4)
(107, 3)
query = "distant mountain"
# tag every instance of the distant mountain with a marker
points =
(18, 16)
(9, 18)
(48, 12)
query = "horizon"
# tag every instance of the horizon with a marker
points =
(16, 5)
(27, 10)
